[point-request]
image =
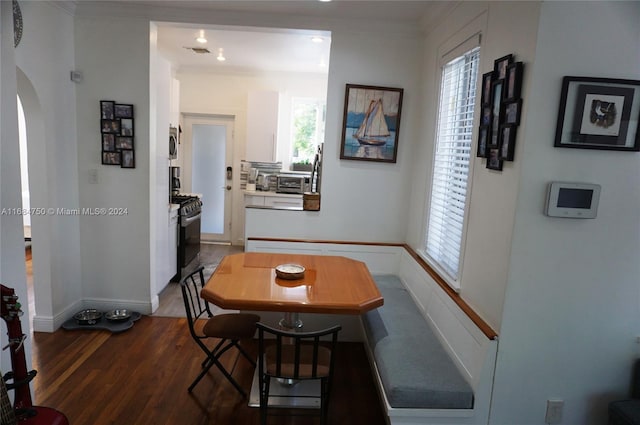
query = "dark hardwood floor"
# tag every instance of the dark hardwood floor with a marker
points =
(141, 377)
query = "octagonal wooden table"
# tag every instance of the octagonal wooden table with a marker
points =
(331, 285)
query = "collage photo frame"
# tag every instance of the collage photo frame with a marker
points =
(117, 131)
(501, 108)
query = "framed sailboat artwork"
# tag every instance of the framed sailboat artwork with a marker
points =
(371, 123)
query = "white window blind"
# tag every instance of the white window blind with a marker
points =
(451, 163)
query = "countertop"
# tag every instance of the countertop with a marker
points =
(280, 195)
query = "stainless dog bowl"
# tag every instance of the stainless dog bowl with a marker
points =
(117, 315)
(88, 317)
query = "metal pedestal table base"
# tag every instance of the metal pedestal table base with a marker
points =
(299, 394)
(309, 387)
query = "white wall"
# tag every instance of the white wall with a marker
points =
(44, 58)
(571, 312)
(506, 27)
(113, 54)
(360, 200)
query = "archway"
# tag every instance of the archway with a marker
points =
(38, 190)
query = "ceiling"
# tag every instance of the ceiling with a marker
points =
(245, 49)
(249, 49)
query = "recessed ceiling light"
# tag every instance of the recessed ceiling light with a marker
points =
(201, 38)
(325, 1)
(221, 57)
(317, 39)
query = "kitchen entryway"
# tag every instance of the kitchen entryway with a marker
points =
(171, 303)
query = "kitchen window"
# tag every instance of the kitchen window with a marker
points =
(449, 194)
(308, 118)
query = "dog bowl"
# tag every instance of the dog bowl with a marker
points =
(89, 316)
(117, 315)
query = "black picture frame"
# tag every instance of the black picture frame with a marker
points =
(123, 142)
(493, 159)
(108, 142)
(508, 141)
(487, 114)
(128, 158)
(599, 113)
(111, 158)
(107, 110)
(487, 79)
(500, 66)
(483, 141)
(496, 112)
(123, 110)
(360, 103)
(512, 111)
(514, 81)
(110, 126)
(126, 127)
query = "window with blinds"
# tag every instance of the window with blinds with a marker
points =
(451, 162)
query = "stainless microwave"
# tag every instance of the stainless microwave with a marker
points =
(292, 184)
(173, 143)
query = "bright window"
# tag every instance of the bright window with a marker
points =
(308, 117)
(446, 214)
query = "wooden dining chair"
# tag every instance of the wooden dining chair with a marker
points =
(295, 356)
(230, 328)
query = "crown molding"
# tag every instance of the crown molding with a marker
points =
(169, 13)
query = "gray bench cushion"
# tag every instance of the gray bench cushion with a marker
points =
(415, 369)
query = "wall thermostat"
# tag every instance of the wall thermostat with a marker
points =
(572, 200)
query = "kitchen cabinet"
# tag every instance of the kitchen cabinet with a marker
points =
(262, 126)
(172, 256)
(272, 199)
(174, 103)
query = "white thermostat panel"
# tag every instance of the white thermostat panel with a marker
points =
(572, 200)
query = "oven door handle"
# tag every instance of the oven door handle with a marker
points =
(184, 222)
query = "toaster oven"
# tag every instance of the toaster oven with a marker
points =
(292, 184)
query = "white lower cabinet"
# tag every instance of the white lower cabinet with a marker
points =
(172, 257)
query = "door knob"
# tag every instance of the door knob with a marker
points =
(229, 187)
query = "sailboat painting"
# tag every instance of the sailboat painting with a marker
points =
(371, 123)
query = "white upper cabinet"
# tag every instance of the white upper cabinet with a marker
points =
(262, 126)
(174, 103)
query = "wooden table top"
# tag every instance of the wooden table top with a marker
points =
(331, 284)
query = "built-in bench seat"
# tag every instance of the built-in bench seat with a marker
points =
(415, 369)
(432, 357)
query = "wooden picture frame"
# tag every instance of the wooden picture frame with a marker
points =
(371, 123)
(599, 113)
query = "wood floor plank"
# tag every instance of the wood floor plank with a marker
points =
(141, 377)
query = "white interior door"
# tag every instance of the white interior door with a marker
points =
(210, 146)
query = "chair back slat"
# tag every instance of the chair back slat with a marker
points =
(297, 342)
(195, 306)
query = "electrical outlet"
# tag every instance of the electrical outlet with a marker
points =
(554, 412)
